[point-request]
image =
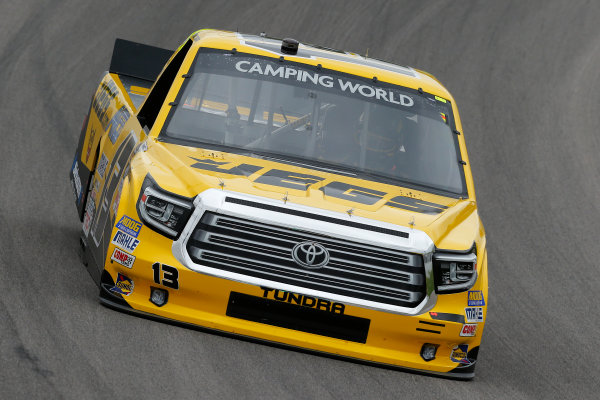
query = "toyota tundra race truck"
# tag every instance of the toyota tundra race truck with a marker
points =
(288, 193)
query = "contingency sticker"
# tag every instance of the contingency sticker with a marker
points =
(459, 354)
(475, 298)
(90, 143)
(117, 122)
(123, 285)
(125, 241)
(468, 330)
(90, 209)
(122, 257)
(76, 181)
(129, 226)
(117, 197)
(102, 165)
(474, 314)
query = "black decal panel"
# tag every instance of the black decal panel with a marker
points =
(285, 315)
(416, 205)
(223, 166)
(287, 179)
(352, 193)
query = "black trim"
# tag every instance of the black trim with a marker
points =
(318, 217)
(155, 99)
(454, 374)
(448, 317)
(138, 60)
(472, 249)
(298, 318)
(432, 323)
(428, 331)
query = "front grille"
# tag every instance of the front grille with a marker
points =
(264, 251)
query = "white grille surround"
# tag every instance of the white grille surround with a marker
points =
(247, 239)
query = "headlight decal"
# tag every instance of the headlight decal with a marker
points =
(454, 272)
(163, 212)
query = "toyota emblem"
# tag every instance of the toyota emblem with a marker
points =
(310, 255)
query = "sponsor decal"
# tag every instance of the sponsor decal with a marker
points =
(112, 176)
(76, 181)
(90, 208)
(459, 354)
(166, 275)
(90, 143)
(95, 188)
(304, 300)
(475, 298)
(468, 330)
(474, 314)
(123, 285)
(117, 199)
(326, 81)
(117, 122)
(122, 257)
(125, 241)
(101, 168)
(304, 182)
(129, 226)
(101, 102)
(87, 221)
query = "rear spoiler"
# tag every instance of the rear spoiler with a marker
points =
(138, 60)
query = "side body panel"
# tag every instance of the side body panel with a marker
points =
(101, 164)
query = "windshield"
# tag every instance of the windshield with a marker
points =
(301, 112)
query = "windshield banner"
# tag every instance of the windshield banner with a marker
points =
(297, 74)
(326, 81)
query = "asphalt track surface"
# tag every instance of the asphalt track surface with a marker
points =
(526, 77)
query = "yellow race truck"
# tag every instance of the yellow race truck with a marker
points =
(287, 193)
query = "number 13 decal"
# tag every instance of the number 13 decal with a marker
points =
(170, 275)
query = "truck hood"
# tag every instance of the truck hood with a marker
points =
(189, 171)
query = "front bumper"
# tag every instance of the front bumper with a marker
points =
(116, 303)
(392, 340)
